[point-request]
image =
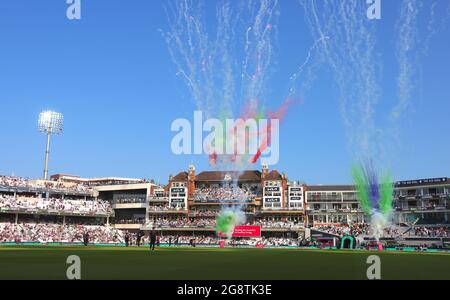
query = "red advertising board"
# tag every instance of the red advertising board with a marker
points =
(246, 231)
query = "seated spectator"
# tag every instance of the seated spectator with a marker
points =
(90, 207)
(56, 233)
(224, 194)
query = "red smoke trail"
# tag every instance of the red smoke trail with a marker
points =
(281, 112)
(280, 115)
(255, 159)
(250, 111)
(264, 145)
(213, 159)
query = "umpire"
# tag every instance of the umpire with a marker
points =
(152, 240)
(86, 238)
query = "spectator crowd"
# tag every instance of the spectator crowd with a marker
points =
(204, 240)
(264, 223)
(56, 233)
(355, 229)
(164, 208)
(182, 222)
(20, 182)
(207, 219)
(90, 207)
(130, 200)
(432, 232)
(358, 229)
(224, 194)
(131, 220)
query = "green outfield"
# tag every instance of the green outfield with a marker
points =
(28, 262)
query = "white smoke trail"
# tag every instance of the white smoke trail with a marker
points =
(259, 49)
(411, 47)
(350, 54)
(297, 75)
(438, 18)
(407, 38)
(222, 69)
(377, 225)
(228, 66)
(193, 52)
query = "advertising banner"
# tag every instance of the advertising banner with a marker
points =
(246, 231)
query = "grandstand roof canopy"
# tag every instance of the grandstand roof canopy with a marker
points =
(274, 175)
(330, 188)
(232, 176)
(423, 182)
(78, 179)
(183, 176)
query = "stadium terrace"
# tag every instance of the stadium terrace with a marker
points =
(289, 214)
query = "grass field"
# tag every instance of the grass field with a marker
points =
(219, 264)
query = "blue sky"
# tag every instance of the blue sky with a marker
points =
(111, 75)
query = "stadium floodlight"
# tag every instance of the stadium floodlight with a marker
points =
(50, 122)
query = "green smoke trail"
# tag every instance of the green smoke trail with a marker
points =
(359, 179)
(226, 222)
(386, 191)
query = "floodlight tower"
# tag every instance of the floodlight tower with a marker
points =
(50, 122)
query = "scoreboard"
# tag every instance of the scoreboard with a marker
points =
(273, 195)
(295, 194)
(178, 197)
